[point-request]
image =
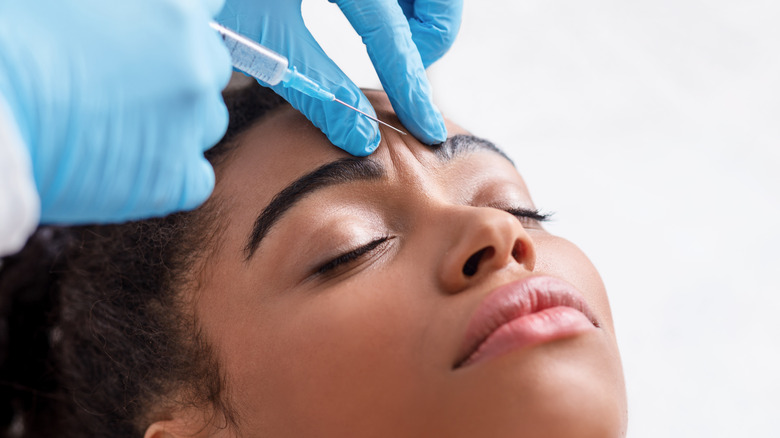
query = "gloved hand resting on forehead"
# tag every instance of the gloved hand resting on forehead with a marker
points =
(402, 37)
(115, 102)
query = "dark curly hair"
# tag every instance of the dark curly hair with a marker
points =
(96, 337)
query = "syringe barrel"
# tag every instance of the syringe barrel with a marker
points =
(252, 58)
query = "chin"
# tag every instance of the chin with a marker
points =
(569, 388)
(573, 388)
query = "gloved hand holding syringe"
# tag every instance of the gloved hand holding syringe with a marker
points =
(270, 67)
(401, 37)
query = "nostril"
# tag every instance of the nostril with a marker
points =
(472, 264)
(517, 251)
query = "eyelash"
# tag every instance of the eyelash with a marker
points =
(528, 217)
(351, 256)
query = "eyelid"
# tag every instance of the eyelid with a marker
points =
(351, 256)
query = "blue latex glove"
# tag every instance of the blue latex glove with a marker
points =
(116, 102)
(402, 38)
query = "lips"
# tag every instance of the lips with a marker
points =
(523, 313)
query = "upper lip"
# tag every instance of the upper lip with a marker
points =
(517, 299)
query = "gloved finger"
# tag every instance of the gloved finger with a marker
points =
(197, 185)
(192, 183)
(214, 120)
(344, 127)
(434, 25)
(388, 39)
(177, 177)
(189, 181)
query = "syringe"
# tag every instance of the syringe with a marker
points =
(271, 68)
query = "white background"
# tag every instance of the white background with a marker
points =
(652, 129)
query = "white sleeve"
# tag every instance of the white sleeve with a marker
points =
(20, 206)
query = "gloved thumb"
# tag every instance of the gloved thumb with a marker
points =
(344, 127)
(388, 39)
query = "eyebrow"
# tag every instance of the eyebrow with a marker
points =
(342, 171)
(463, 144)
(347, 170)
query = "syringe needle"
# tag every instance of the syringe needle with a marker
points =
(369, 116)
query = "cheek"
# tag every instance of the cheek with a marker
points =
(561, 258)
(328, 355)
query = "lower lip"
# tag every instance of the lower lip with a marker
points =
(537, 328)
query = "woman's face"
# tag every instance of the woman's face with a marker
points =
(398, 295)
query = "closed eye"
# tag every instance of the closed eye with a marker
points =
(529, 218)
(346, 259)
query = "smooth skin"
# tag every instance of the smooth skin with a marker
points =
(369, 350)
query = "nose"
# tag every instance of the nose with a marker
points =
(484, 240)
